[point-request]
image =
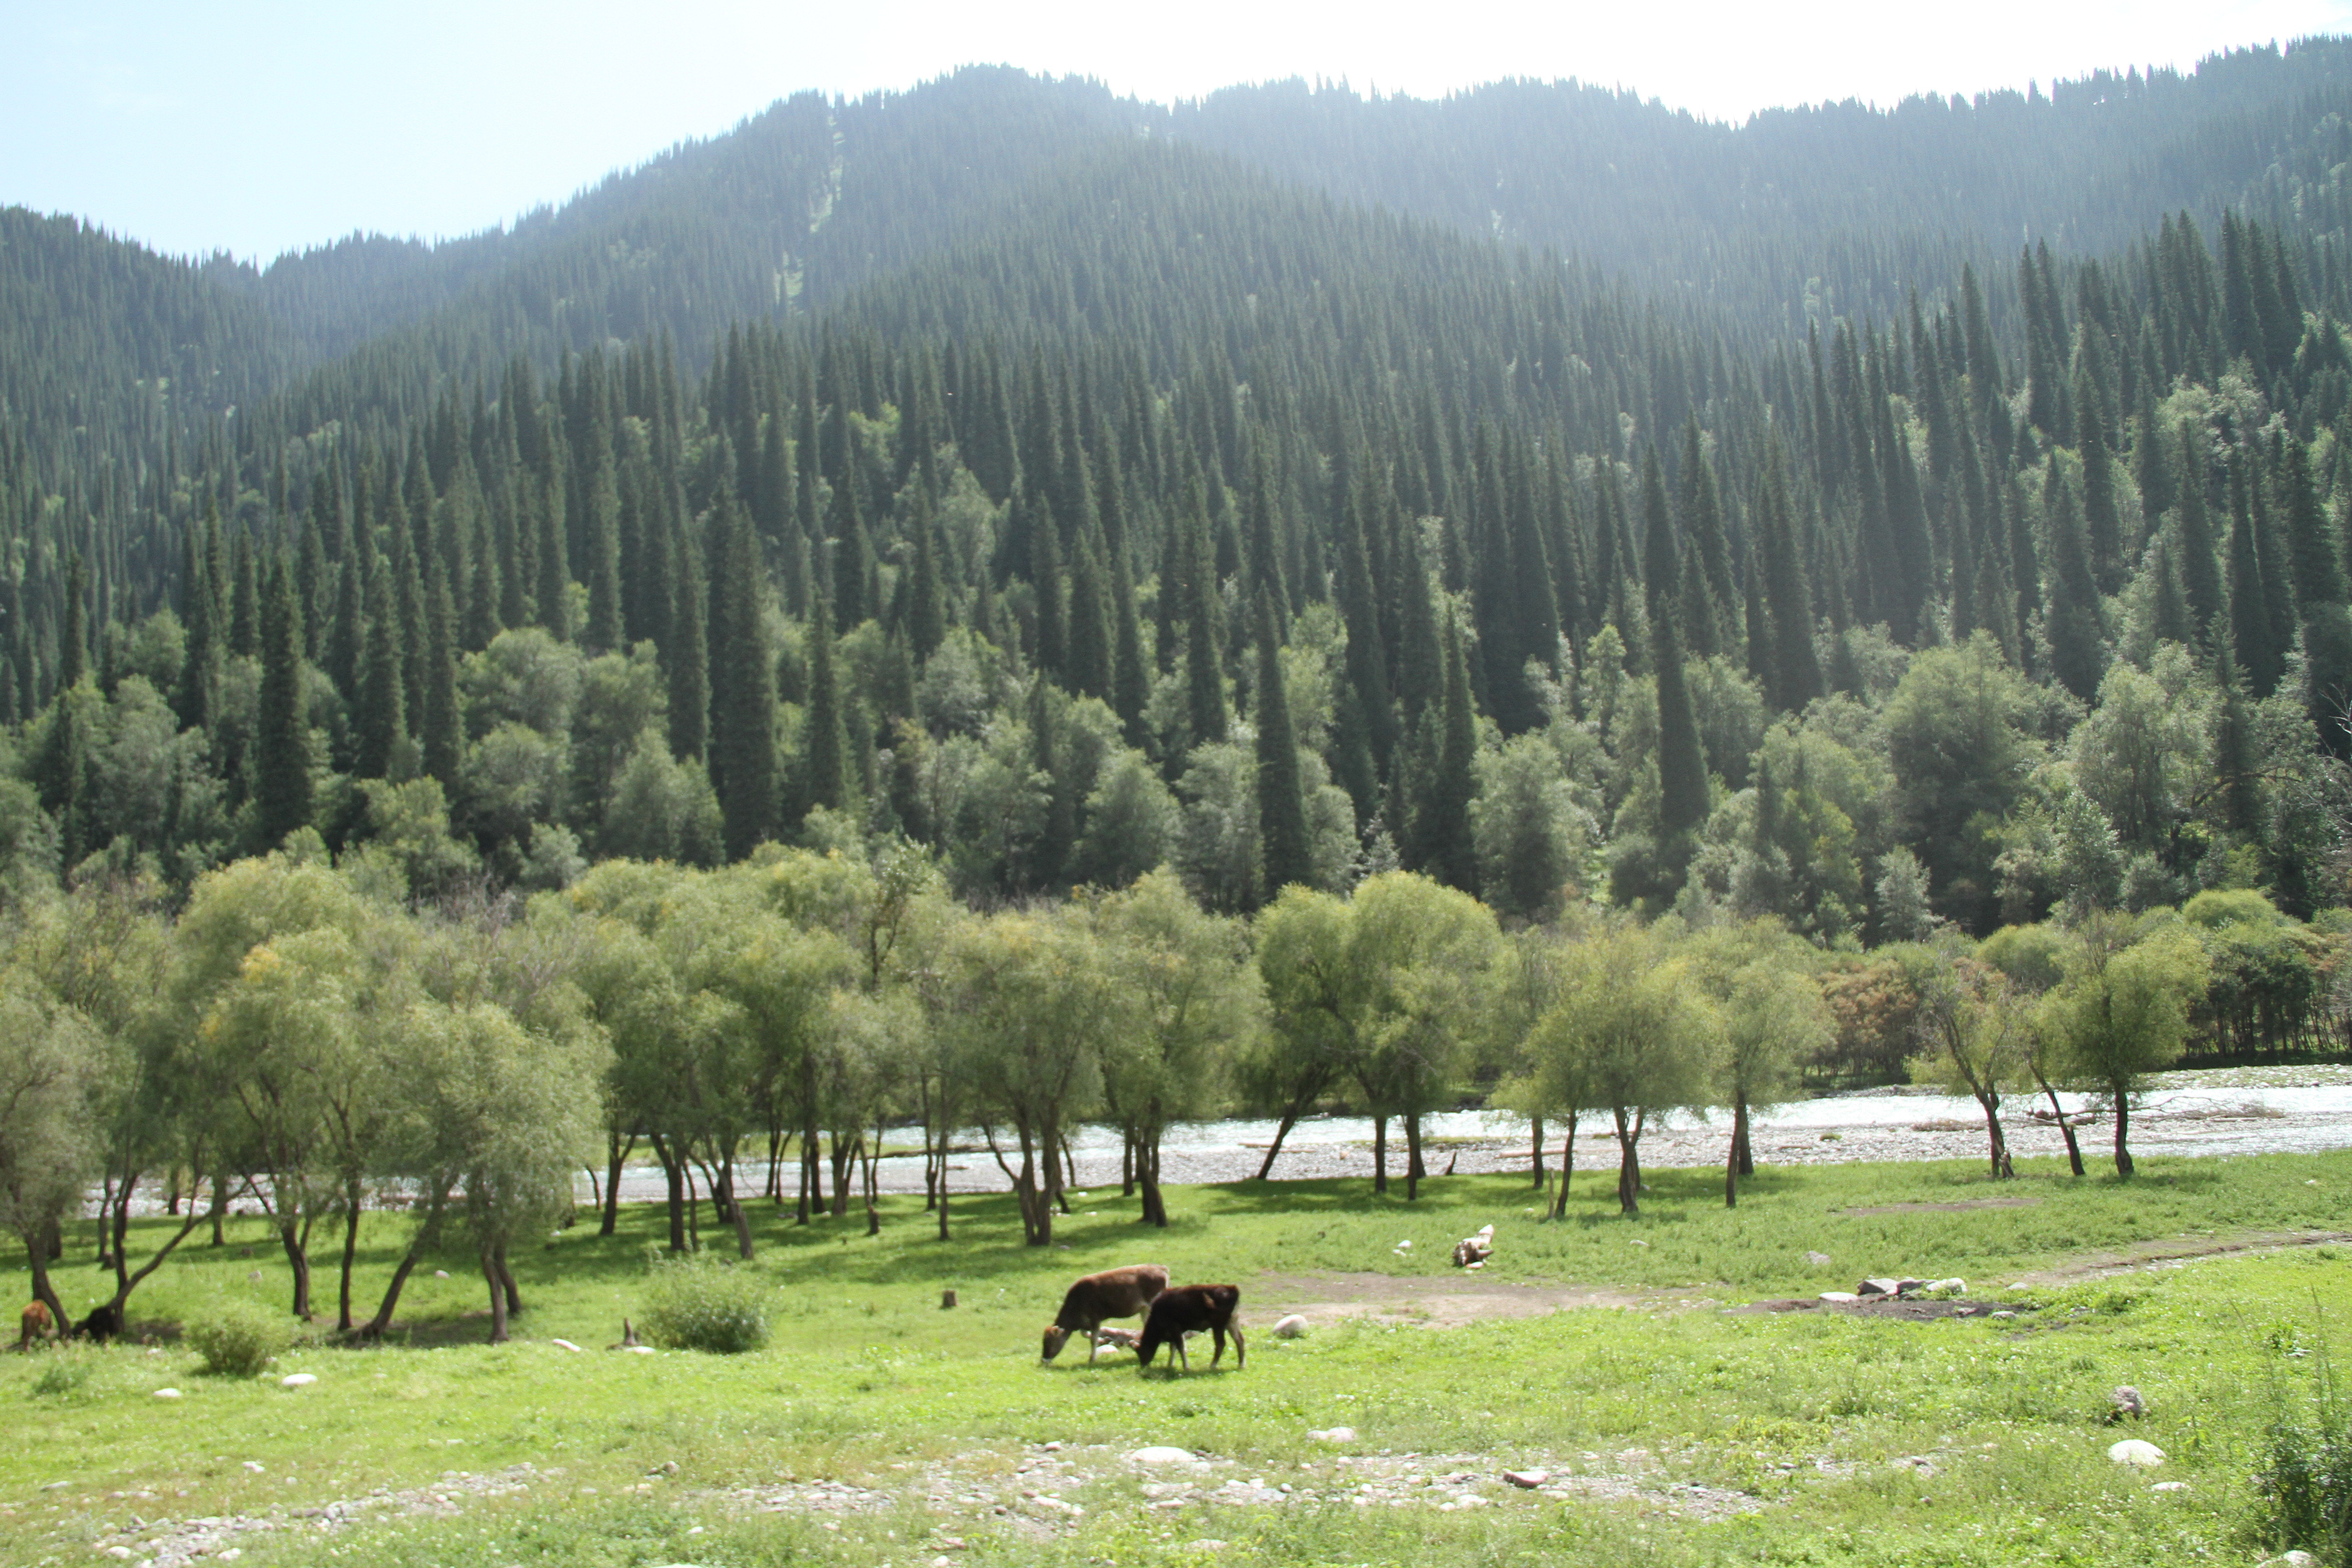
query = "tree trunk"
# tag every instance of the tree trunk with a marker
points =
(844, 1160)
(1567, 1169)
(674, 1186)
(298, 1258)
(219, 1212)
(426, 1232)
(507, 1277)
(1536, 1159)
(1742, 1150)
(1379, 1154)
(873, 1155)
(693, 1206)
(1629, 1167)
(2065, 1128)
(2123, 1131)
(1281, 1131)
(1413, 1168)
(353, 1192)
(1731, 1158)
(44, 1291)
(498, 1298)
(1127, 1136)
(743, 1216)
(611, 1218)
(1155, 1205)
(1997, 1141)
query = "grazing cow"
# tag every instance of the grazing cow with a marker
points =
(1113, 1293)
(1188, 1309)
(35, 1324)
(102, 1324)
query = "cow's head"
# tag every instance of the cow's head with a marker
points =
(1056, 1337)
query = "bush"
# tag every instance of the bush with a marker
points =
(699, 1303)
(237, 1339)
(2308, 1481)
(67, 1372)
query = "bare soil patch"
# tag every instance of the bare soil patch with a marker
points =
(1908, 1309)
(1447, 1303)
(2173, 1252)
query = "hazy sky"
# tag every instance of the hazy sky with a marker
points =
(261, 125)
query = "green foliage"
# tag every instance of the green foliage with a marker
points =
(237, 1339)
(697, 1302)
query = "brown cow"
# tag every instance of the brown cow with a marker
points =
(1188, 1309)
(1113, 1293)
(35, 1324)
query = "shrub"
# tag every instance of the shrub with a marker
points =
(699, 1303)
(67, 1372)
(2307, 1485)
(237, 1339)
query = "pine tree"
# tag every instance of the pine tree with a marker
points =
(281, 742)
(1788, 598)
(1131, 674)
(1436, 789)
(853, 554)
(2102, 525)
(823, 748)
(2201, 576)
(1090, 660)
(744, 706)
(603, 633)
(199, 608)
(438, 725)
(2076, 625)
(2256, 650)
(686, 655)
(926, 616)
(1682, 764)
(2316, 570)
(73, 641)
(1052, 623)
(245, 601)
(1286, 849)
(1204, 678)
(552, 589)
(380, 715)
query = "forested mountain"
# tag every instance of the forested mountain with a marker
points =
(1556, 495)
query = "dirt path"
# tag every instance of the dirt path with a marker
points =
(1443, 1303)
(2176, 1252)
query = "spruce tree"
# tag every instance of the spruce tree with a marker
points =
(437, 729)
(743, 708)
(200, 666)
(1287, 850)
(1788, 598)
(2256, 650)
(380, 715)
(853, 554)
(1052, 623)
(1204, 679)
(245, 601)
(1682, 764)
(2316, 570)
(73, 641)
(1131, 672)
(2201, 576)
(603, 633)
(1441, 803)
(552, 588)
(2077, 655)
(927, 614)
(1089, 658)
(686, 655)
(823, 747)
(281, 742)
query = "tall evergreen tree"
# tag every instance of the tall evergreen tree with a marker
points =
(686, 655)
(823, 746)
(379, 717)
(1287, 848)
(2252, 640)
(603, 633)
(437, 728)
(199, 608)
(281, 744)
(2201, 576)
(2078, 656)
(1682, 763)
(743, 710)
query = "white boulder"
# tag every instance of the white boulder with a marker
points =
(2133, 1451)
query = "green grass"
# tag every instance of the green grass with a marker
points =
(868, 1381)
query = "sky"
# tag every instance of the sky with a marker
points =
(261, 126)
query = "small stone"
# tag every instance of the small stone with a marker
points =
(1819, 1259)
(1878, 1287)
(1529, 1480)
(254, 1465)
(1639, 1242)
(298, 1380)
(2169, 1486)
(1840, 1296)
(1404, 1246)
(122, 1552)
(1956, 1285)
(1290, 1327)
(1332, 1435)
(167, 1394)
(564, 1346)
(666, 1467)
(1054, 1447)
(2127, 1402)
(2293, 1560)
(638, 1350)
(2131, 1452)
(56, 1486)
(1161, 1454)
(2004, 1314)
(440, 1274)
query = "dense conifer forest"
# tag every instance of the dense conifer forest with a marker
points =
(1884, 523)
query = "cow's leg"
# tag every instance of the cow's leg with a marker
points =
(1241, 1350)
(1217, 1333)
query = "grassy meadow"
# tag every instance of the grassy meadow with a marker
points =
(1681, 1433)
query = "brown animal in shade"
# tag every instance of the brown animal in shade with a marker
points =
(35, 1324)
(1113, 1293)
(1189, 1310)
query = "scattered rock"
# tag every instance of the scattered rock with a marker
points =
(2004, 1314)
(1840, 1296)
(666, 1467)
(636, 1350)
(1527, 1480)
(440, 1274)
(564, 1346)
(1290, 1327)
(1161, 1454)
(1956, 1285)
(1404, 1246)
(56, 1486)
(253, 1275)
(1332, 1435)
(1882, 1286)
(1639, 1242)
(2131, 1452)
(1819, 1259)
(2293, 1560)
(167, 1394)
(2169, 1486)
(2127, 1403)
(254, 1465)
(298, 1380)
